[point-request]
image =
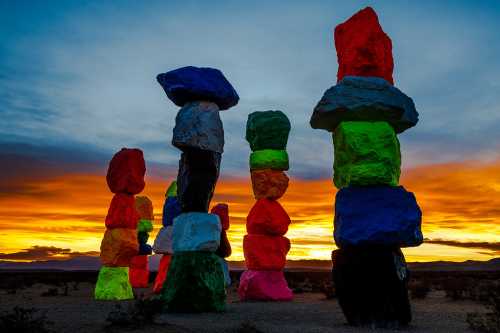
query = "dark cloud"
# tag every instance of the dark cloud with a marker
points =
(493, 246)
(45, 253)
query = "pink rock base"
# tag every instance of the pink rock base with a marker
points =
(264, 286)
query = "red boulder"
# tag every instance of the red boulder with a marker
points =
(265, 253)
(122, 213)
(222, 210)
(267, 217)
(161, 276)
(139, 277)
(126, 171)
(363, 48)
(139, 262)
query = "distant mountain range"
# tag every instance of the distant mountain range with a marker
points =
(89, 263)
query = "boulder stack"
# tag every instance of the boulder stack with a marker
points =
(265, 247)
(374, 216)
(195, 281)
(120, 244)
(163, 241)
(224, 249)
(139, 267)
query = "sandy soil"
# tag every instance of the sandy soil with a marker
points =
(309, 312)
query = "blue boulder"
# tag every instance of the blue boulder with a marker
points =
(171, 209)
(382, 215)
(196, 232)
(145, 249)
(191, 84)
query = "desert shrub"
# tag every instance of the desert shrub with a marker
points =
(247, 327)
(419, 288)
(50, 292)
(457, 288)
(328, 290)
(139, 313)
(24, 320)
(487, 322)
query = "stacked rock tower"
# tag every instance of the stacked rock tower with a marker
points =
(265, 247)
(195, 281)
(374, 216)
(125, 178)
(163, 241)
(224, 249)
(139, 266)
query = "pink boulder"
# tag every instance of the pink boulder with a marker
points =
(264, 286)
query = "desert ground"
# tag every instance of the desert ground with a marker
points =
(70, 307)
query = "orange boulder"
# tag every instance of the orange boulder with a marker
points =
(265, 253)
(267, 217)
(122, 213)
(118, 247)
(144, 207)
(268, 183)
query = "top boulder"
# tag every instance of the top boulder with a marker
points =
(126, 171)
(363, 48)
(267, 130)
(190, 84)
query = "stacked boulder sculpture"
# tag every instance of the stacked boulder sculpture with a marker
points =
(195, 280)
(265, 247)
(119, 246)
(224, 250)
(139, 266)
(163, 241)
(374, 216)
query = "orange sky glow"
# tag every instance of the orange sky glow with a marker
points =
(460, 204)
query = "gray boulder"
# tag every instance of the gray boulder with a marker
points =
(357, 98)
(198, 125)
(163, 241)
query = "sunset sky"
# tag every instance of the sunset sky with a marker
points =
(77, 83)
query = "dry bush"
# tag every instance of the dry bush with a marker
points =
(487, 322)
(419, 288)
(137, 314)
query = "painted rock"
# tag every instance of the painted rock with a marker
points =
(121, 212)
(224, 249)
(118, 247)
(267, 217)
(198, 125)
(264, 286)
(171, 209)
(126, 171)
(267, 130)
(195, 283)
(144, 207)
(139, 272)
(144, 226)
(222, 211)
(198, 174)
(381, 215)
(188, 84)
(162, 273)
(225, 270)
(172, 189)
(364, 99)
(142, 237)
(113, 284)
(363, 48)
(196, 232)
(268, 183)
(265, 253)
(371, 286)
(163, 241)
(145, 249)
(269, 159)
(366, 153)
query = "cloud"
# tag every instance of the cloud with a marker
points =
(45, 253)
(493, 247)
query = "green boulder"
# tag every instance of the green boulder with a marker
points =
(267, 130)
(366, 153)
(195, 283)
(113, 284)
(144, 226)
(269, 159)
(172, 189)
